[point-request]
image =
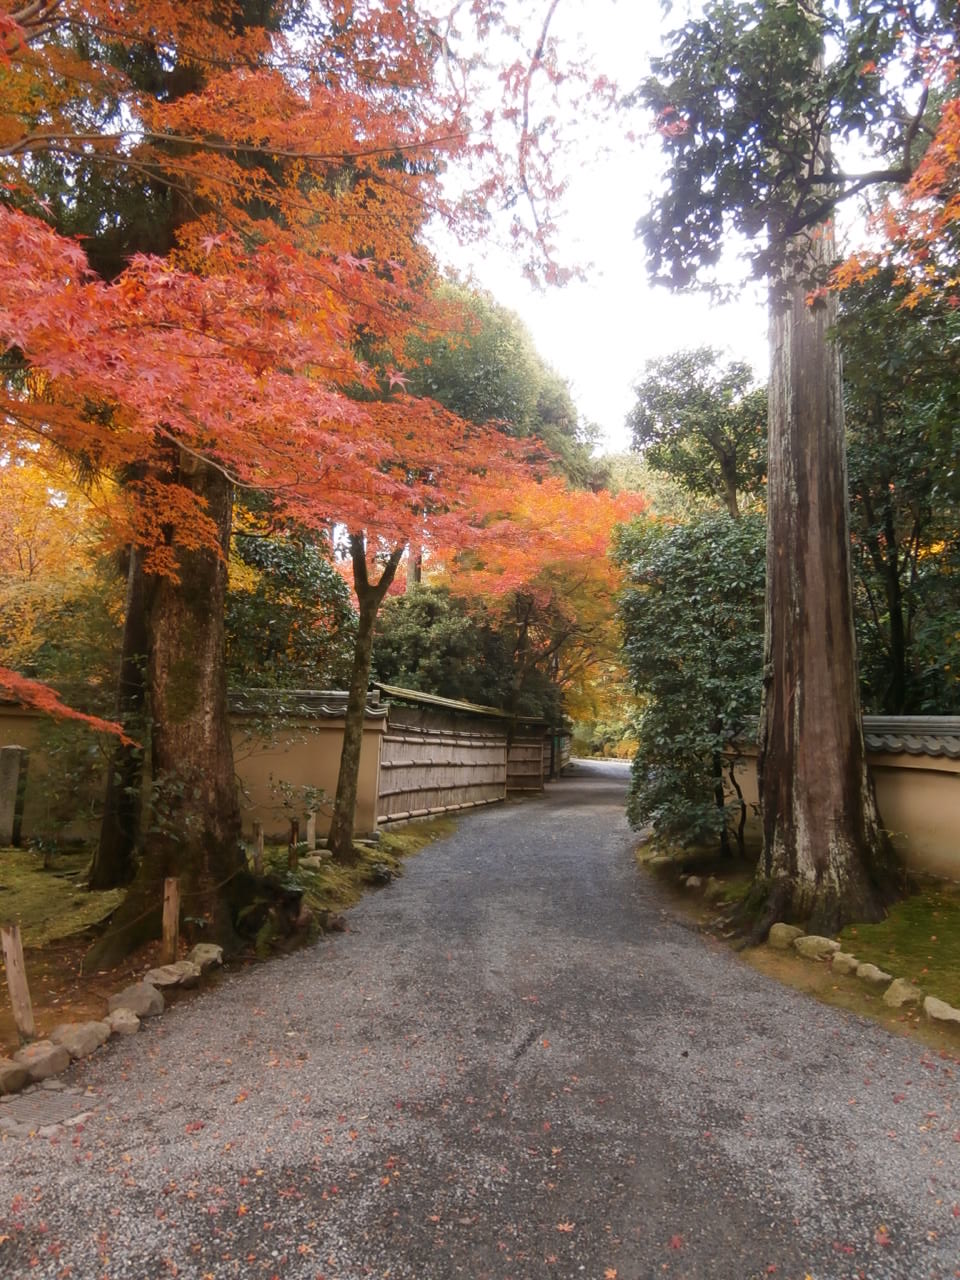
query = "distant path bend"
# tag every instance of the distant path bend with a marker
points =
(515, 1065)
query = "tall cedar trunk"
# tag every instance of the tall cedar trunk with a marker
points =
(113, 861)
(369, 598)
(194, 824)
(825, 857)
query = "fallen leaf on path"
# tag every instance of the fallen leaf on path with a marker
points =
(565, 1226)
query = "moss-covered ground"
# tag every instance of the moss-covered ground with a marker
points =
(919, 940)
(50, 903)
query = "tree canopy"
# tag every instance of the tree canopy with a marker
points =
(486, 368)
(755, 139)
(703, 424)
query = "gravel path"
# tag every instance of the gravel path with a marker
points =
(515, 1065)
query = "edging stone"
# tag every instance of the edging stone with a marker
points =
(41, 1061)
(899, 992)
(871, 973)
(13, 1076)
(813, 947)
(43, 1058)
(80, 1039)
(940, 1011)
(782, 936)
(140, 998)
(182, 973)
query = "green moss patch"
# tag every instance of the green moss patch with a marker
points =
(50, 903)
(919, 940)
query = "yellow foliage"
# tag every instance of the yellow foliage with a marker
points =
(47, 538)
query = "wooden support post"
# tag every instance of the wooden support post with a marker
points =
(171, 920)
(293, 853)
(258, 848)
(17, 980)
(311, 831)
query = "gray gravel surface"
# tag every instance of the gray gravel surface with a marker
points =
(515, 1064)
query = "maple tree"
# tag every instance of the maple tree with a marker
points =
(447, 490)
(297, 165)
(485, 367)
(545, 575)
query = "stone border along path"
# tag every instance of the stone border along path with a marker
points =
(40, 1062)
(515, 1065)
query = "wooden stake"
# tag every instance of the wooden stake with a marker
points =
(293, 854)
(171, 920)
(311, 831)
(258, 848)
(17, 980)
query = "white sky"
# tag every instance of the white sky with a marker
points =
(599, 333)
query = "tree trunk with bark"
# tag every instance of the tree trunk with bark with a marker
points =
(193, 827)
(826, 859)
(370, 596)
(113, 861)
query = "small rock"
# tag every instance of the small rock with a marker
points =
(714, 889)
(206, 955)
(52, 1085)
(334, 923)
(123, 1022)
(693, 882)
(13, 1076)
(380, 873)
(901, 992)
(304, 919)
(15, 1127)
(870, 973)
(43, 1058)
(141, 998)
(844, 962)
(781, 936)
(659, 861)
(80, 1039)
(312, 862)
(74, 1122)
(940, 1011)
(182, 973)
(813, 947)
